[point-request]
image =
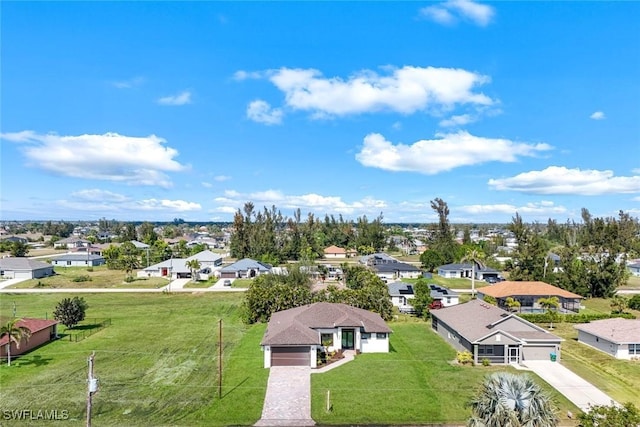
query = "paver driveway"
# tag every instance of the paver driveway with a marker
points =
(288, 399)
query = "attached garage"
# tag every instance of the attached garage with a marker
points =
(538, 352)
(290, 356)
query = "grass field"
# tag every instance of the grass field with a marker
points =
(100, 277)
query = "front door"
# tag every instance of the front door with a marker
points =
(347, 339)
(514, 355)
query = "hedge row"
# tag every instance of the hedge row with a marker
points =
(571, 318)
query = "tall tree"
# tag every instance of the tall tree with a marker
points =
(506, 399)
(476, 258)
(19, 249)
(443, 241)
(193, 265)
(70, 311)
(15, 334)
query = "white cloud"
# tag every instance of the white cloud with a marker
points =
(450, 11)
(449, 151)
(182, 98)
(598, 115)
(460, 120)
(561, 180)
(110, 157)
(540, 208)
(171, 205)
(261, 112)
(128, 84)
(206, 184)
(306, 202)
(222, 178)
(246, 75)
(99, 195)
(405, 90)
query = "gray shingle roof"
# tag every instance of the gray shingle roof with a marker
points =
(397, 289)
(77, 257)
(21, 263)
(297, 326)
(246, 264)
(476, 319)
(618, 330)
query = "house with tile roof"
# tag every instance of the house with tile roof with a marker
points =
(491, 333)
(42, 331)
(296, 337)
(617, 337)
(24, 268)
(529, 293)
(334, 251)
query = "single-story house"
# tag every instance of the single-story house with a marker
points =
(24, 268)
(634, 269)
(245, 268)
(466, 270)
(376, 258)
(78, 260)
(93, 250)
(528, 294)
(14, 239)
(396, 270)
(401, 293)
(294, 337)
(42, 331)
(334, 251)
(446, 296)
(491, 333)
(176, 268)
(70, 243)
(618, 337)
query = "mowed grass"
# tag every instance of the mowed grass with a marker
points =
(100, 277)
(157, 363)
(415, 383)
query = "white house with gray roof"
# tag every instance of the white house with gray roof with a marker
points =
(401, 294)
(245, 268)
(617, 337)
(491, 333)
(24, 268)
(78, 260)
(176, 268)
(295, 337)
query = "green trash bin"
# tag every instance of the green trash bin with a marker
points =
(552, 356)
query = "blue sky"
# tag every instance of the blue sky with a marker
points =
(153, 111)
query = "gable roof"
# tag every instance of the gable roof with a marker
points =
(617, 330)
(439, 292)
(77, 257)
(393, 267)
(205, 256)
(397, 289)
(246, 264)
(140, 245)
(34, 325)
(475, 320)
(298, 326)
(22, 263)
(509, 288)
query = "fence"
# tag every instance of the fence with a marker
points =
(90, 326)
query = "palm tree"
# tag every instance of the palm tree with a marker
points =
(193, 265)
(14, 333)
(476, 258)
(550, 304)
(509, 400)
(512, 304)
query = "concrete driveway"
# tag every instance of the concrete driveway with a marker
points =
(10, 282)
(576, 389)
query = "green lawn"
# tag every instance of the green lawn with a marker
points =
(100, 277)
(413, 384)
(632, 283)
(157, 363)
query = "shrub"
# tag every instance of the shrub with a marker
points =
(70, 311)
(634, 302)
(485, 362)
(90, 269)
(129, 279)
(465, 358)
(82, 279)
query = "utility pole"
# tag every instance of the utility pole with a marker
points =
(93, 388)
(220, 359)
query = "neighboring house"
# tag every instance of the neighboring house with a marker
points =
(140, 245)
(528, 294)
(401, 294)
(335, 252)
(78, 260)
(392, 270)
(176, 268)
(15, 239)
(42, 331)
(491, 333)
(245, 268)
(376, 258)
(93, 250)
(634, 269)
(294, 337)
(465, 271)
(618, 337)
(446, 296)
(70, 243)
(24, 268)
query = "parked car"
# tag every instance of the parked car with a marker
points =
(226, 283)
(491, 280)
(435, 305)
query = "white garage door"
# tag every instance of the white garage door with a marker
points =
(542, 352)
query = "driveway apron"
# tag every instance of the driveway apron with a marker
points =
(288, 398)
(582, 393)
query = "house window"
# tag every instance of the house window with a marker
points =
(486, 350)
(634, 349)
(381, 335)
(68, 262)
(365, 335)
(326, 339)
